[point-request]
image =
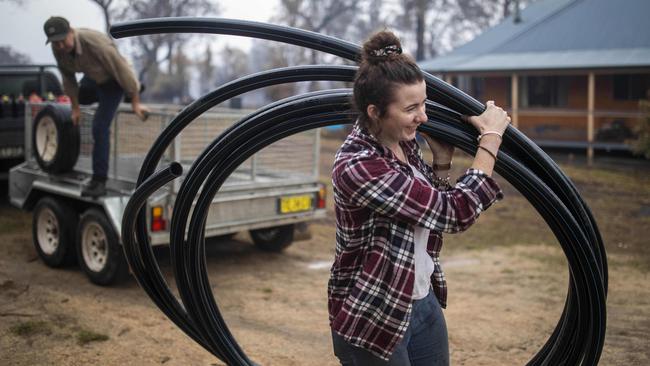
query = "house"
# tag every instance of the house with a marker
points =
(570, 72)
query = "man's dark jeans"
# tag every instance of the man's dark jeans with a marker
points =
(109, 96)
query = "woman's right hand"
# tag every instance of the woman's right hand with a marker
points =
(492, 119)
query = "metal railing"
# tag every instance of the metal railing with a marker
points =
(292, 158)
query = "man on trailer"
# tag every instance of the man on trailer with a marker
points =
(107, 78)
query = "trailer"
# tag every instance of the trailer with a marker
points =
(267, 195)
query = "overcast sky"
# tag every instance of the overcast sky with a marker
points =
(21, 27)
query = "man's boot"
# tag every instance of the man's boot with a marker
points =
(94, 189)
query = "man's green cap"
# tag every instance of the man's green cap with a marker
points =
(56, 28)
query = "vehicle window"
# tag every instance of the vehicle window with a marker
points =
(17, 84)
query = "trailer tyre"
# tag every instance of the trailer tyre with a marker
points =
(99, 252)
(273, 239)
(53, 227)
(55, 139)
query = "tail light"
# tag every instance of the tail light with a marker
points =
(322, 195)
(158, 222)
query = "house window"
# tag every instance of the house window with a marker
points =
(631, 87)
(472, 85)
(544, 91)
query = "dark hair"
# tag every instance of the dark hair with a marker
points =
(382, 66)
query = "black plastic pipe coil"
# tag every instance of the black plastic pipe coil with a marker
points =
(579, 334)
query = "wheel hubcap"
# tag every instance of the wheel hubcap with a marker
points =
(94, 247)
(47, 231)
(46, 139)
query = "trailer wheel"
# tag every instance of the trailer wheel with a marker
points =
(55, 140)
(53, 225)
(273, 239)
(99, 252)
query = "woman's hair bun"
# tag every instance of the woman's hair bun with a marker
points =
(380, 47)
(381, 69)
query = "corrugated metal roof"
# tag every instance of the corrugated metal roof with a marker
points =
(559, 34)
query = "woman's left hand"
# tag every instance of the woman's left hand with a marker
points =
(442, 151)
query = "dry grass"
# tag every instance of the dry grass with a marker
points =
(31, 328)
(508, 282)
(14, 221)
(86, 336)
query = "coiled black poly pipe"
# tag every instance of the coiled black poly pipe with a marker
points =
(578, 336)
(437, 91)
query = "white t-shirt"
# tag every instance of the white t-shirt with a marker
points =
(424, 265)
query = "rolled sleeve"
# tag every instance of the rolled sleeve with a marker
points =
(473, 193)
(373, 183)
(486, 188)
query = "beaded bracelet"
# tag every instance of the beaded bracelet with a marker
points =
(440, 182)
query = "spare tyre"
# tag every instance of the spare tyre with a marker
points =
(55, 139)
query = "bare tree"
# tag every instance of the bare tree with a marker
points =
(105, 6)
(506, 7)
(172, 86)
(9, 56)
(159, 48)
(151, 52)
(266, 55)
(370, 18)
(420, 16)
(425, 22)
(206, 70)
(328, 16)
(439, 25)
(332, 17)
(234, 64)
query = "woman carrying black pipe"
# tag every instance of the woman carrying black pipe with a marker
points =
(387, 289)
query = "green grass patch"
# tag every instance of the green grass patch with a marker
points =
(85, 336)
(30, 328)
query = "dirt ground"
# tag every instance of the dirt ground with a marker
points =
(507, 286)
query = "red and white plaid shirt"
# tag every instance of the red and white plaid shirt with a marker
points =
(378, 202)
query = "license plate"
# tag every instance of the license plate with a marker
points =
(295, 204)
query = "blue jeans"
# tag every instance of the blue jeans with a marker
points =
(425, 342)
(109, 96)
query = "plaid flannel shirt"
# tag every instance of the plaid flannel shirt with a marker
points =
(378, 202)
